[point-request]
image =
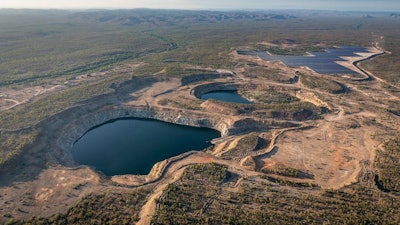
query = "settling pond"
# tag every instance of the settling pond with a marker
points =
(133, 146)
(321, 62)
(226, 96)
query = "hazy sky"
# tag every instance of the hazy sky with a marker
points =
(362, 5)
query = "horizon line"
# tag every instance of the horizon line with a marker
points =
(203, 9)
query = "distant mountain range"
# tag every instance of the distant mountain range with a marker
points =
(171, 17)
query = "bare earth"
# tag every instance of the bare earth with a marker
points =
(330, 149)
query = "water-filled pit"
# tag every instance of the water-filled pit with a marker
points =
(133, 146)
(226, 96)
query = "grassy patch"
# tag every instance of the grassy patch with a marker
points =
(269, 74)
(183, 103)
(257, 202)
(271, 96)
(12, 143)
(276, 50)
(106, 208)
(185, 199)
(388, 166)
(326, 84)
(47, 105)
(386, 66)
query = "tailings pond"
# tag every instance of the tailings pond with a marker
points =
(226, 96)
(133, 146)
(321, 62)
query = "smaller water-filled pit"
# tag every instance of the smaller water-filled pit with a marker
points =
(226, 96)
(133, 146)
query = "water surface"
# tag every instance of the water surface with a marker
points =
(226, 96)
(321, 62)
(133, 146)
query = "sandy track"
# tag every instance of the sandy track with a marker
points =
(148, 210)
(174, 173)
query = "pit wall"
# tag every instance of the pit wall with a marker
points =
(198, 91)
(202, 77)
(77, 128)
